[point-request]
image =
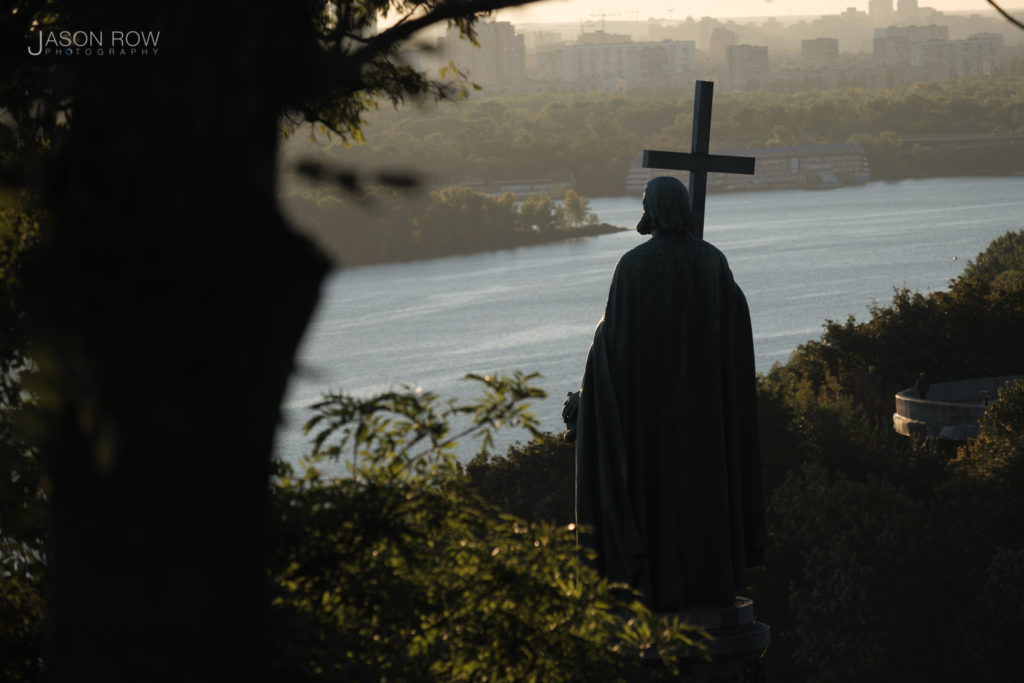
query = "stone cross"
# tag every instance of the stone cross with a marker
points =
(698, 162)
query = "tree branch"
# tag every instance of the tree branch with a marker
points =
(1006, 15)
(452, 9)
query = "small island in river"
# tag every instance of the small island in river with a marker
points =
(391, 226)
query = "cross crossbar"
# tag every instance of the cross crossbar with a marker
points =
(697, 161)
(706, 163)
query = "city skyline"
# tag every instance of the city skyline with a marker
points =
(885, 47)
(560, 11)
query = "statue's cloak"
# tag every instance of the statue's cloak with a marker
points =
(667, 463)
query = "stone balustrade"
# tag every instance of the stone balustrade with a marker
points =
(951, 409)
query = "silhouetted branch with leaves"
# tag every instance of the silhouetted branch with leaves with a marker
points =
(1006, 15)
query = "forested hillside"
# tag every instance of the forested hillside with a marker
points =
(592, 137)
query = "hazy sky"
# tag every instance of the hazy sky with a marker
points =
(576, 10)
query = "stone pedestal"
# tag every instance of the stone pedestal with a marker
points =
(737, 651)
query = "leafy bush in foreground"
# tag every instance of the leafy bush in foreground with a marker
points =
(535, 481)
(23, 499)
(400, 571)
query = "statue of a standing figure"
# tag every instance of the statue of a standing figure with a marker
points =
(668, 470)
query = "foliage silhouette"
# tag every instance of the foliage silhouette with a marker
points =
(399, 570)
(891, 558)
(168, 299)
(23, 499)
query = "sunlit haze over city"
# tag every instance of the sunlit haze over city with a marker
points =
(576, 10)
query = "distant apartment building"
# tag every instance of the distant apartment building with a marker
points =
(892, 44)
(595, 62)
(602, 38)
(627, 65)
(719, 42)
(538, 40)
(891, 50)
(501, 55)
(746, 66)
(880, 11)
(917, 34)
(802, 166)
(978, 55)
(819, 51)
(549, 65)
(906, 7)
(852, 27)
(981, 54)
(805, 55)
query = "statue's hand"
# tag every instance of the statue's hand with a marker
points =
(570, 410)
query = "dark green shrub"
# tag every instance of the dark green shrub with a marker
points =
(400, 571)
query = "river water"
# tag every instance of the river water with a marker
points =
(800, 256)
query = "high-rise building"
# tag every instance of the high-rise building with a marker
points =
(721, 39)
(626, 65)
(746, 65)
(979, 55)
(880, 11)
(906, 7)
(892, 50)
(602, 38)
(917, 34)
(820, 50)
(500, 56)
(982, 53)
(892, 45)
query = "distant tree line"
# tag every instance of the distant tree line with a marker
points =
(24, 504)
(403, 226)
(593, 137)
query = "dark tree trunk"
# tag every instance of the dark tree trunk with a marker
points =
(172, 297)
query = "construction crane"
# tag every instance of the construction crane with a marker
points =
(603, 15)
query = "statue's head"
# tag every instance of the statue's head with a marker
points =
(666, 207)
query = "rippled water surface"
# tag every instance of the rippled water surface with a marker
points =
(800, 256)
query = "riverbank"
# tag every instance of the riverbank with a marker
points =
(384, 225)
(518, 239)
